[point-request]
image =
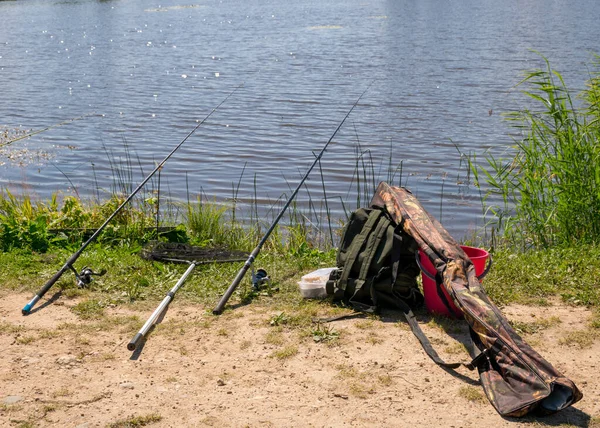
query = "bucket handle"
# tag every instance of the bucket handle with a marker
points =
(487, 268)
(430, 276)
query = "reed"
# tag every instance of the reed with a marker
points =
(548, 187)
(64, 221)
(208, 225)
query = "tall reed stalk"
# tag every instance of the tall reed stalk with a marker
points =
(550, 188)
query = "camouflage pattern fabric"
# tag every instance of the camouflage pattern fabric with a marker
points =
(515, 378)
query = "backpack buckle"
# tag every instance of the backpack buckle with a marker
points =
(478, 360)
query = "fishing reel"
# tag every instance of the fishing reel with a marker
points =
(85, 276)
(259, 278)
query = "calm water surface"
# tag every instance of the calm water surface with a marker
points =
(147, 71)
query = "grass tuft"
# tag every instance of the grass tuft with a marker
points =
(472, 394)
(136, 421)
(522, 327)
(580, 338)
(285, 353)
(324, 333)
(89, 309)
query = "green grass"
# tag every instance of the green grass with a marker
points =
(89, 309)
(548, 185)
(472, 394)
(136, 421)
(208, 225)
(536, 275)
(533, 276)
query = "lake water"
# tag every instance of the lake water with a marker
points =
(145, 72)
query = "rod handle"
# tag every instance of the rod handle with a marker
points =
(218, 310)
(29, 306)
(135, 341)
(27, 309)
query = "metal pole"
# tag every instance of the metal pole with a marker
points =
(132, 345)
(240, 275)
(69, 264)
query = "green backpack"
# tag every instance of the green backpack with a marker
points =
(376, 264)
(377, 267)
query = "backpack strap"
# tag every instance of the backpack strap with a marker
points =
(356, 246)
(371, 247)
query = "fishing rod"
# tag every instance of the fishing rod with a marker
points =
(82, 278)
(240, 275)
(133, 344)
(141, 335)
(22, 137)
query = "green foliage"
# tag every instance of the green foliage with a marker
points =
(24, 233)
(279, 319)
(42, 225)
(22, 224)
(208, 226)
(534, 276)
(324, 333)
(550, 187)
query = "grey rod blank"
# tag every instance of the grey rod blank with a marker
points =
(133, 344)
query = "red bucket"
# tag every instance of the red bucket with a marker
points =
(433, 302)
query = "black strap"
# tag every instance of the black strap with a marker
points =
(439, 289)
(355, 314)
(425, 343)
(479, 359)
(371, 247)
(356, 246)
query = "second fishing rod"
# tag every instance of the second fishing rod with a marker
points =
(84, 276)
(240, 275)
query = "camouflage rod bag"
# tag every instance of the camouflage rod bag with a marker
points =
(515, 378)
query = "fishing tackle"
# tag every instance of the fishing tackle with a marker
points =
(22, 137)
(69, 263)
(240, 275)
(85, 276)
(133, 344)
(180, 253)
(260, 278)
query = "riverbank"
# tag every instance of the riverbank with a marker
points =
(263, 362)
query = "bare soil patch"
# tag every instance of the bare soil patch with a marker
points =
(248, 368)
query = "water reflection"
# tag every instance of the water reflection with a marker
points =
(152, 70)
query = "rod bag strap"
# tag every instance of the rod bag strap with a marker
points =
(428, 347)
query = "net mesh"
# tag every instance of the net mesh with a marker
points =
(176, 252)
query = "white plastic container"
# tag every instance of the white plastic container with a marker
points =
(312, 285)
